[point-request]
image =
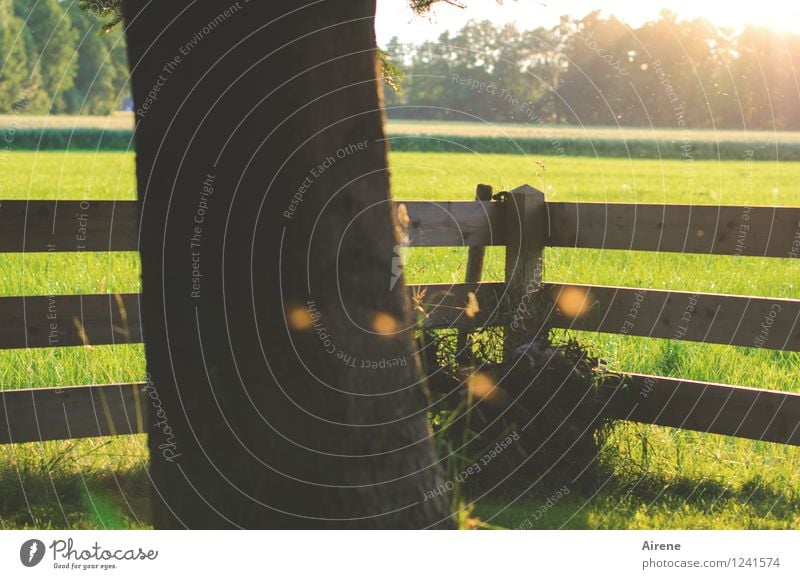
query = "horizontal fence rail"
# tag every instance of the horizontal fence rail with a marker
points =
(454, 223)
(704, 229)
(84, 411)
(37, 226)
(696, 317)
(756, 322)
(36, 414)
(69, 320)
(447, 305)
(700, 229)
(100, 410)
(766, 415)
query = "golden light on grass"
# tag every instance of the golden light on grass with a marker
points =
(574, 302)
(384, 324)
(299, 319)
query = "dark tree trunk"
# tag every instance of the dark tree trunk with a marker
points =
(285, 390)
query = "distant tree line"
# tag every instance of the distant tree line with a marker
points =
(600, 71)
(56, 60)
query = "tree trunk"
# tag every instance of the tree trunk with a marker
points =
(285, 388)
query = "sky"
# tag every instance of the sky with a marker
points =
(394, 18)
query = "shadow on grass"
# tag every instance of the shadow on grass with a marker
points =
(67, 501)
(649, 502)
(103, 484)
(88, 484)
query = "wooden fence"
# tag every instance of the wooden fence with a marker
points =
(525, 224)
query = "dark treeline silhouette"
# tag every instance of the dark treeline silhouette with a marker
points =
(600, 71)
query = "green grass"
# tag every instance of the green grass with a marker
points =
(654, 477)
(67, 175)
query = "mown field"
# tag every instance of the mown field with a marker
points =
(124, 120)
(115, 133)
(653, 477)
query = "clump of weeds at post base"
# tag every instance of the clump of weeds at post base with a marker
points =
(544, 395)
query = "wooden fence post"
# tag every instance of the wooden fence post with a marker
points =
(526, 231)
(474, 272)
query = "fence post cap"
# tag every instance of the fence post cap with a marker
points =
(525, 189)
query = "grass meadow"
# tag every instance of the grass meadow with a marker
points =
(653, 477)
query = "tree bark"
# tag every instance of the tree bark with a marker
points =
(285, 391)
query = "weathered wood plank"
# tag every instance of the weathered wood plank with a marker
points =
(73, 412)
(455, 223)
(766, 415)
(476, 253)
(710, 229)
(115, 409)
(447, 305)
(69, 320)
(474, 272)
(754, 322)
(37, 226)
(526, 234)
